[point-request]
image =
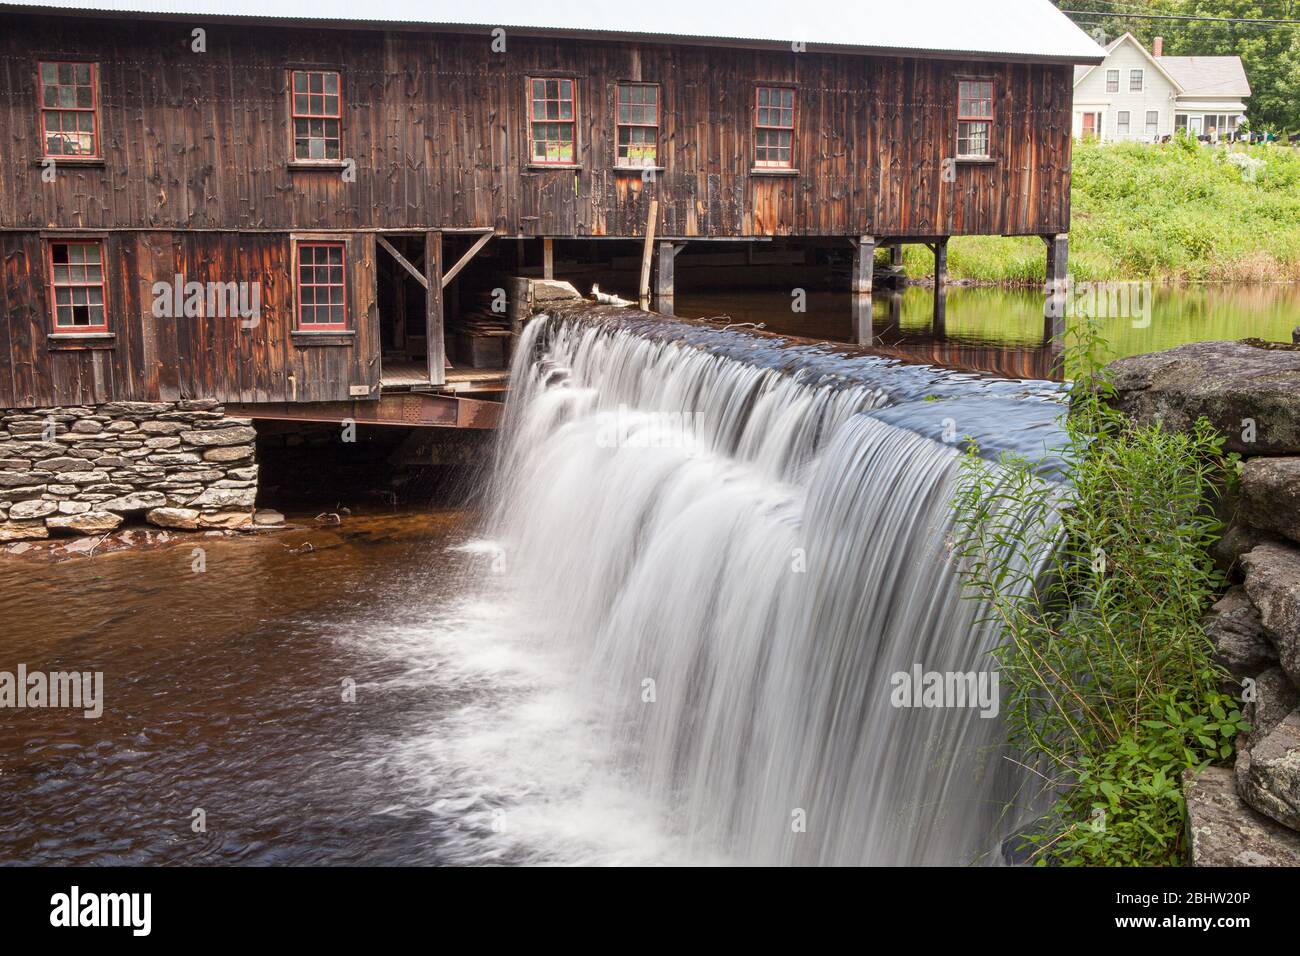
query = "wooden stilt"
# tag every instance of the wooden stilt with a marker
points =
(941, 262)
(1055, 292)
(434, 342)
(896, 255)
(548, 258)
(647, 251)
(663, 296)
(864, 267)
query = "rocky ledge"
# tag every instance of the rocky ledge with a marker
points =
(1250, 390)
(87, 469)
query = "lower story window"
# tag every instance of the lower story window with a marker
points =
(1153, 122)
(1121, 122)
(77, 281)
(322, 288)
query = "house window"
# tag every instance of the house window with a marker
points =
(638, 124)
(1112, 81)
(1121, 122)
(77, 280)
(1153, 122)
(552, 113)
(317, 115)
(774, 128)
(1180, 121)
(322, 289)
(974, 118)
(69, 109)
(1135, 81)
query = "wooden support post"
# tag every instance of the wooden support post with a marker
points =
(646, 252)
(864, 267)
(896, 255)
(434, 342)
(548, 258)
(663, 299)
(1055, 292)
(941, 262)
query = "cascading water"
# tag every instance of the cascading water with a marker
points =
(733, 544)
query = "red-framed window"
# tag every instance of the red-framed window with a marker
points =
(552, 120)
(69, 109)
(638, 124)
(322, 286)
(317, 101)
(77, 285)
(774, 127)
(974, 118)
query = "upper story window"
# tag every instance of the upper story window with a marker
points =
(638, 124)
(1112, 81)
(974, 118)
(317, 115)
(774, 128)
(552, 112)
(1135, 81)
(70, 109)
(77, 282)
(322, 287)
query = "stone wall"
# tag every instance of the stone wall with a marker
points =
(1251, 392)
(87, 469)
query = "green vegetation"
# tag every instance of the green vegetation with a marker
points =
(1171, 212)
(1112, 689)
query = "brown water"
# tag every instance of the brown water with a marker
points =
(1002, 330)
(223, 691)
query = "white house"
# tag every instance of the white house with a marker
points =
(1138, 95)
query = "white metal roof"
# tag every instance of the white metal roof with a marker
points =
(1013, 29)
(1208, 75)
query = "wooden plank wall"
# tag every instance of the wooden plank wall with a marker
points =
(164, 359)
(437, 126)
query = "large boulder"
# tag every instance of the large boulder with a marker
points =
(1270, 496)
(1269, 775)
(1248, 390)
(1224, 831)
(1273, 584)
(1240, 645)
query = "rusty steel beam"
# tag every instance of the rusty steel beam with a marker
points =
(405, 408)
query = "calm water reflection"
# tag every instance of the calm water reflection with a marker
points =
(1002, 330)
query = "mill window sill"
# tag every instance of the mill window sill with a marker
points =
(306, 340)
(638, 170)
(71, 341)
(975, 160)
(91, 162)
(773, 171)
(307, 165)
(569, 166)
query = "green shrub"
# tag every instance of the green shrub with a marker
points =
(1112, 688)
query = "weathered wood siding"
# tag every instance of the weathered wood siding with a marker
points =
(155, 358)
(437, 126)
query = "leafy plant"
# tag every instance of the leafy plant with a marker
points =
(1113, 691)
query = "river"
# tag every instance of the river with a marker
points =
(375, 694)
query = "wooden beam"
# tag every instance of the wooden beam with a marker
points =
(401, 259)
(548, 258)
(479, 243)
(940, 263)
(647, 251)
(664, 276)
(864, 265)
(434, 342)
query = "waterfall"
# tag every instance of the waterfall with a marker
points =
(737, 542)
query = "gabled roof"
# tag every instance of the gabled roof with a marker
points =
(987, 29)
(1208, 75)
(1081, 72)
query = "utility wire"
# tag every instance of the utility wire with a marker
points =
(1174, 16)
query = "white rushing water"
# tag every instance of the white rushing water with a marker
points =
(715, 556)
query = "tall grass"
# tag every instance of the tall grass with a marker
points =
(1113, 692)
(1175, 211)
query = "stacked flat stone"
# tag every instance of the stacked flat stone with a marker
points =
(86, 469)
